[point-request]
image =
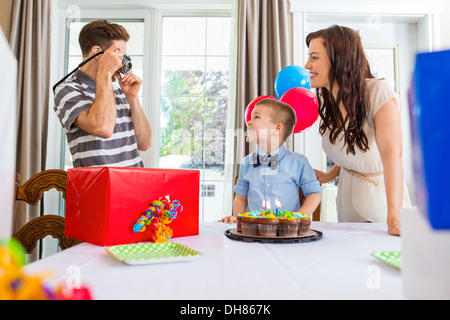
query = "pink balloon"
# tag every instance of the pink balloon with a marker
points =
(306, 107)
(251, 106)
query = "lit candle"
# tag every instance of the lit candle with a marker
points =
(263, 207)
(268, 205)
(278, 204)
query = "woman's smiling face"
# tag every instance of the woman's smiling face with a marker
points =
(318, 64)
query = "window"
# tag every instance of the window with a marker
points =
(184, 61)
(135, 49)
(208, 190)
(195, 81)
(384, 63)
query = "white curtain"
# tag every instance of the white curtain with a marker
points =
(29, 39)
(263, 48)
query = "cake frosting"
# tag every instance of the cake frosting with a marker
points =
(268, 224)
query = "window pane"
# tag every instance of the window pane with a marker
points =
(74, 30)
(219, 35)
(136, 31)
(138, 69)
(183, 76)
(215, 115)
(184, 36)
(217, 76)
(382, 63)
(181, 121)
(73, 62)
(194, 102)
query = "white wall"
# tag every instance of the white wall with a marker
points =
(8, 136)
(445, 26)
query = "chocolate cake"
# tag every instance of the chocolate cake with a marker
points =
(249, 226)
(267, 227)
(288, 227)
(304, 225)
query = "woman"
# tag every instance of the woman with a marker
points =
(361, 129)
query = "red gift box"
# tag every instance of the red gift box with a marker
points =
(103, 204)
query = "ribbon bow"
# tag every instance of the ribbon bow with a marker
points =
(271, 161)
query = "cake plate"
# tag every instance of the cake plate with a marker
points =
(312, 235)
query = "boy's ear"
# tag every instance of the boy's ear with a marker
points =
(278, 129)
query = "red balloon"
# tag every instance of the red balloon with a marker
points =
(251, 106)
(306, 107)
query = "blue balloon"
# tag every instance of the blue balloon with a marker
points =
(292, 77)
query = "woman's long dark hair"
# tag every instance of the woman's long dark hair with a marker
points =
(350, 69)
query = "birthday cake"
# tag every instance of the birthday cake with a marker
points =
(268, 224)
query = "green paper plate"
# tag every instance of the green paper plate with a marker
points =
(150, 253)
(392, 258)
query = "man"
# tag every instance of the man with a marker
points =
(105, 126)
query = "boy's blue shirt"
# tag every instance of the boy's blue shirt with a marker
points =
(263, 183)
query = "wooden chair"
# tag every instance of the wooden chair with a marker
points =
(316, 214)
(38, 228)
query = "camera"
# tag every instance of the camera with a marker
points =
(126, 65)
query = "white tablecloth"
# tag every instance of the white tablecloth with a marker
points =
(339, 266)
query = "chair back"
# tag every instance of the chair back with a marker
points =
(44, 225)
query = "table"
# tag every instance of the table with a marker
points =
(338, 266)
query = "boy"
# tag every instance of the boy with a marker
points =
(273, 172)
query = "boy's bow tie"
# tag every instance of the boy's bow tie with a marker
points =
(271, 161)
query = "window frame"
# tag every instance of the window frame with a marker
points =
(149, 90)
(152, 13)
(159, 17)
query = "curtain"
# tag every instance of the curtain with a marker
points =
(263, 48)
(29, 39)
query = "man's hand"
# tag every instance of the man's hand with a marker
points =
(110, 61)
(130, 84)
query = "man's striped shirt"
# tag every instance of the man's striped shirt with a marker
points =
(74, 96)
